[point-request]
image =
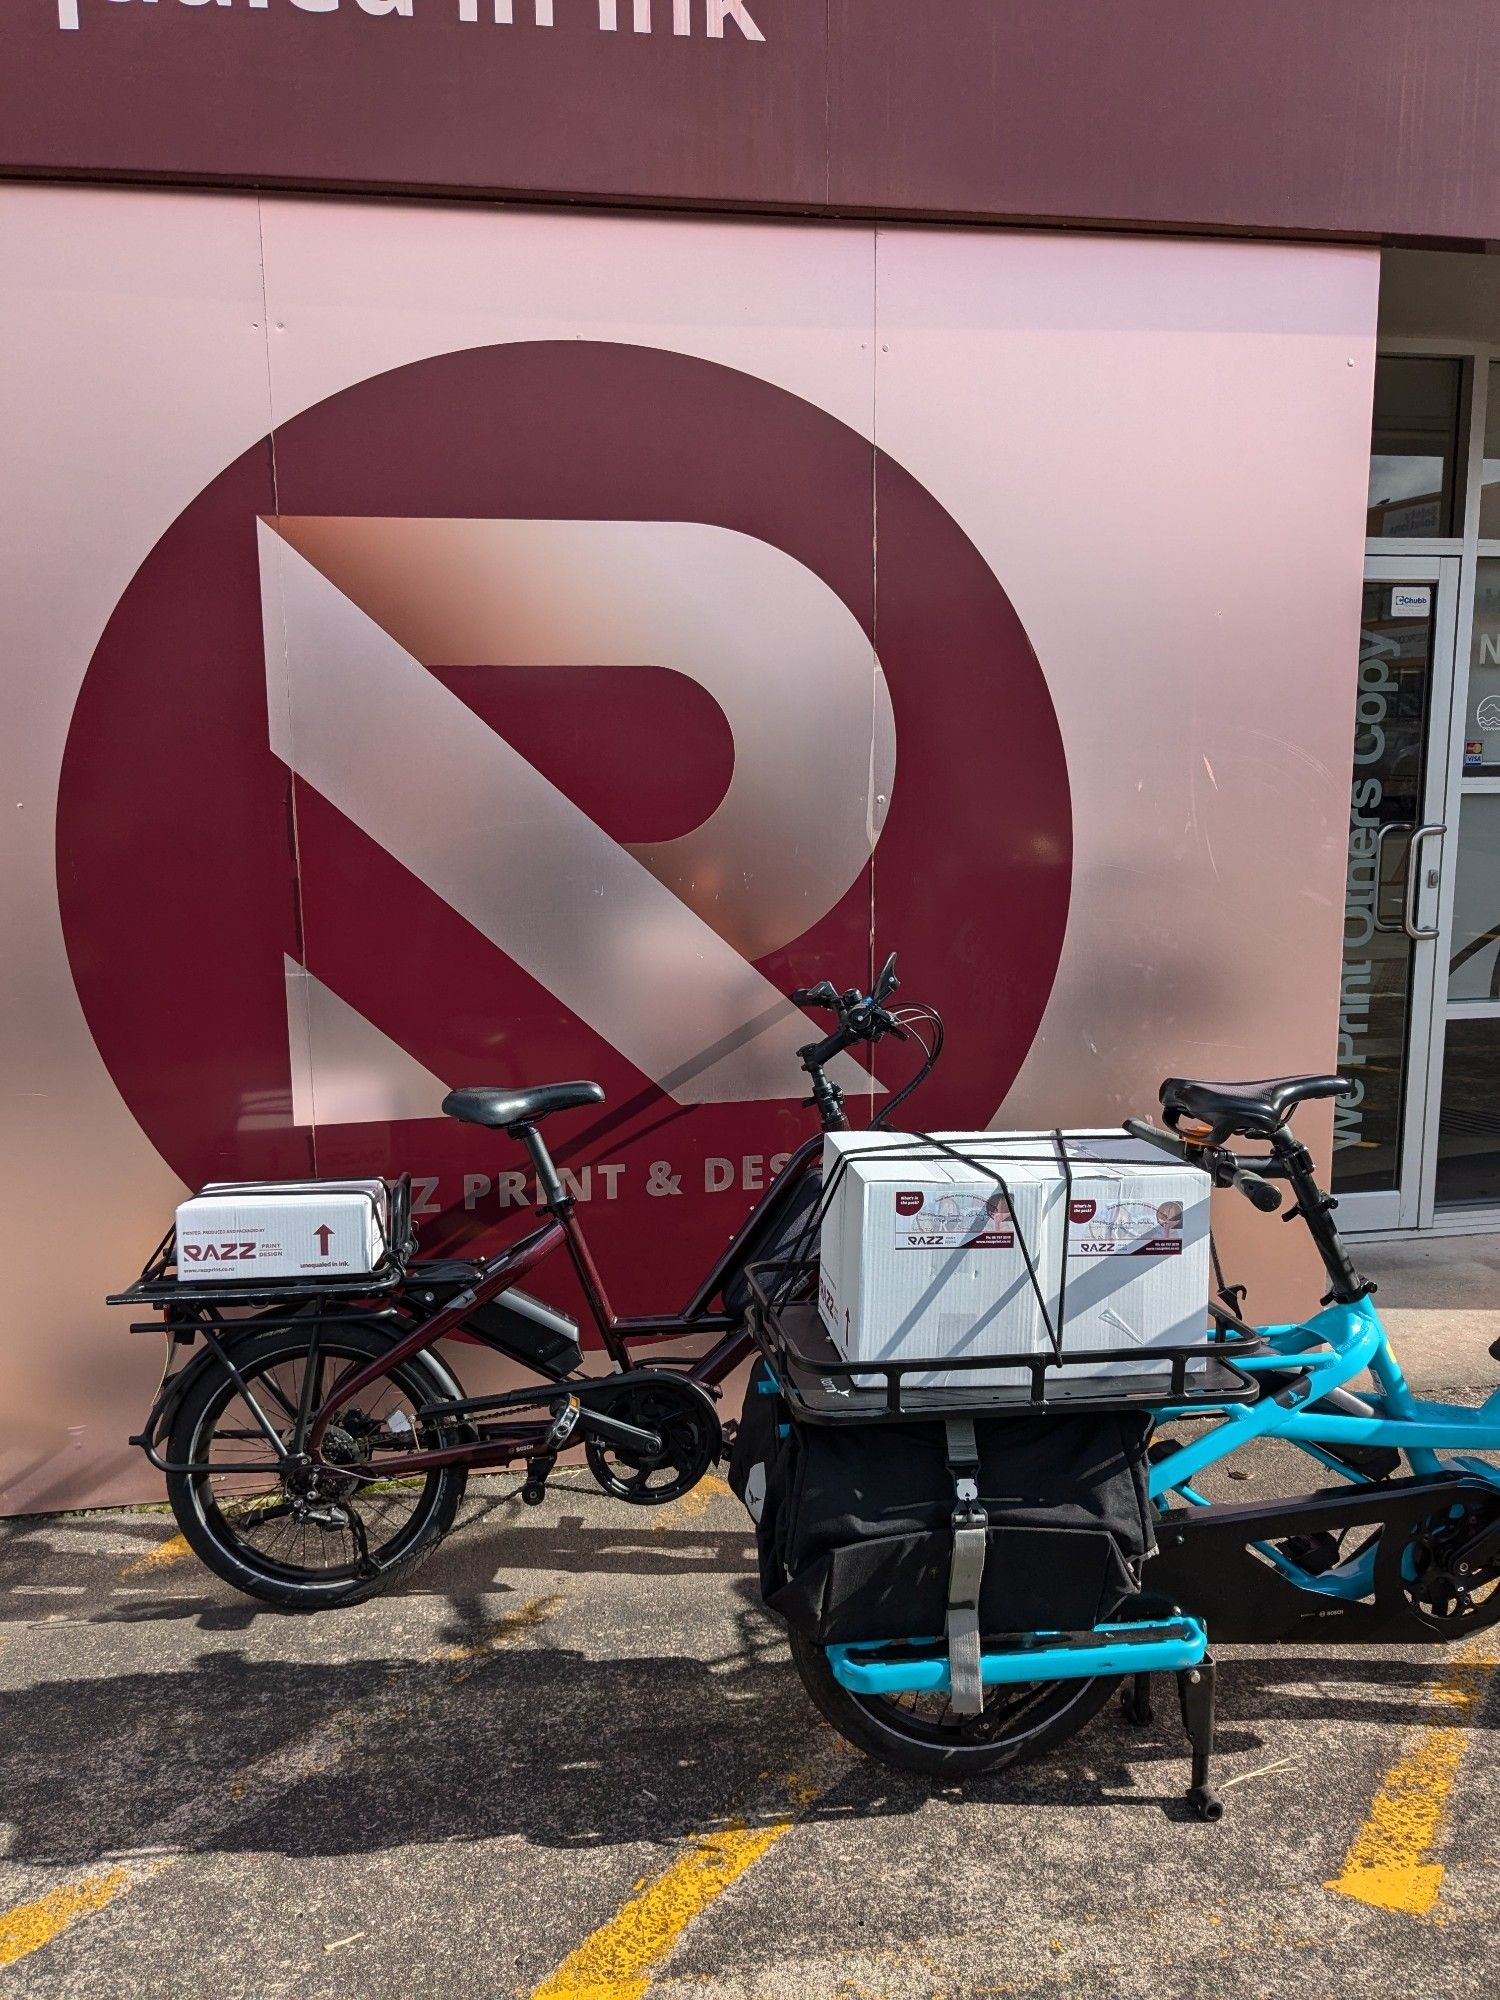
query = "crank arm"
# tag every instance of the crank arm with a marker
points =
(576, 1416)
(620, 1433)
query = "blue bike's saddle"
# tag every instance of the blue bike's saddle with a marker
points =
(509, 1108)
(1254, 1110)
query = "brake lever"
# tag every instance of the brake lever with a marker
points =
(821, 995)
(883, 1023)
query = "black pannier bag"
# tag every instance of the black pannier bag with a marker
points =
(855, 1523)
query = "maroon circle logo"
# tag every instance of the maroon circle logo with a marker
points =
(509, 717)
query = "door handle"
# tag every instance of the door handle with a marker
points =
(1378, 922)
(1417, 932)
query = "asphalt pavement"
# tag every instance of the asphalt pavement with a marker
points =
(571, 1759)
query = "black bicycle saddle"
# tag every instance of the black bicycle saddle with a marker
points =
(508, 1108)
(1254, 1110)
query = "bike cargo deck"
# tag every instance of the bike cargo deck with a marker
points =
(822, 1387)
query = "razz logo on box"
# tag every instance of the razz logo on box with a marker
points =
(222, 1253)
(1124, 1228)
(952, 1219)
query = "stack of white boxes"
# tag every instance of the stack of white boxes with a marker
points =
(925, 1256)
(283, 1229)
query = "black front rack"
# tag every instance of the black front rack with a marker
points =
(824, 1387)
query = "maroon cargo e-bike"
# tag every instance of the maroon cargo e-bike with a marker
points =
(316, 1447)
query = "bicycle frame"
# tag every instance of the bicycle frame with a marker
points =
(1330, 1349)
(563, 1230)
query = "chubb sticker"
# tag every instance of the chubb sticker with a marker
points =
(932, 1221)
(1124, 1229)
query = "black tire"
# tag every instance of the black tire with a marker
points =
(920, 1734)
(289, 1563)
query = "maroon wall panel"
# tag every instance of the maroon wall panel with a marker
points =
(1345, 116)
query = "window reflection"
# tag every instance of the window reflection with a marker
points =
(1413, 446)
(1489, 488)
(1474, 952)
(1468, 1167)
(1482, 709)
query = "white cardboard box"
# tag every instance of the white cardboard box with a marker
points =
(924, 1256)
(1138, 1248)
(283, 1229)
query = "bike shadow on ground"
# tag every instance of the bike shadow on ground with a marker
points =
(479, 1739)
(544, 1745)
(57, 1557)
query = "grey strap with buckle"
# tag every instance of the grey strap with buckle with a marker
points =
(966, 1571)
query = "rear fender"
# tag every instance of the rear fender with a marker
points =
(446, 1384)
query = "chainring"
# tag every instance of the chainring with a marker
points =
(680, 1413)
(1438, 1594)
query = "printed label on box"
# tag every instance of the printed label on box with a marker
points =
(952, 1219)
(1124, 1229)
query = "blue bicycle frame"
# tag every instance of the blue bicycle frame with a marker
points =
(1328, 1351)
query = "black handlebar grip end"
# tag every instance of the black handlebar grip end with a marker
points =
(1259, 1193)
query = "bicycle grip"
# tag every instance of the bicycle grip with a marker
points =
(1142, 1128)
(821, 995)
(1259, 1193)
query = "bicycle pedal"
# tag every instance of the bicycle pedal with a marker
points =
(564, 1424)
(538, 1471)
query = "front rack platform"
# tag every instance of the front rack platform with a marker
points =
(822, 1387)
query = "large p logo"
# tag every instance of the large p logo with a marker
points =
(650, 943)
(272, 764)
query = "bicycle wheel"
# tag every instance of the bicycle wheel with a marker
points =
(295, 1539)
(922, 1733)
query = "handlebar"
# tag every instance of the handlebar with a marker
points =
(1222, 1166)
(860, 1017)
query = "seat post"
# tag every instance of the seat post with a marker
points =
(554, 1194)
(1316, 1209)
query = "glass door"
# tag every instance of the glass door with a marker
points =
(1465, 1123)
(1389, 986)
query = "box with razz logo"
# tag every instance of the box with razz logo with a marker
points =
(955, 1245)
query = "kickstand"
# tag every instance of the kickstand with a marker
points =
(1137, 1702)
(363, 1567)
(1195, 1692)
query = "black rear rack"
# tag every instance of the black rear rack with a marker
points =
(159, 1286)
(823, 1387)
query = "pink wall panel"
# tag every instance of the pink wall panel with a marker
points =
(961, 594)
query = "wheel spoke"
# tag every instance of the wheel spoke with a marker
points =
(312, 1531)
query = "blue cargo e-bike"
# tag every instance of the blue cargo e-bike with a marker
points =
(1399, 1544)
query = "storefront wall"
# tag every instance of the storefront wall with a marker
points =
(453, 644)
(1418, 1145)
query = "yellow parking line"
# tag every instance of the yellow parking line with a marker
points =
(172, 1550)
(616, 1962)
(693, 1504)
(199, 1820)
(1387, 1865)
(29, 1926)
